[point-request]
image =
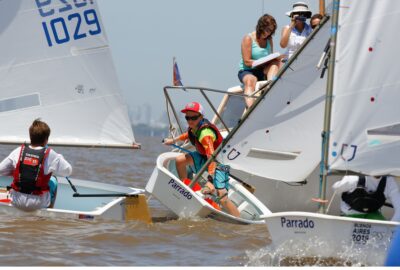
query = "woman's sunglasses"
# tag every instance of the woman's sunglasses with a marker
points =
(301, 14)
(192, 118)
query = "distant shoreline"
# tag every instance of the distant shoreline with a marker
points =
(146, 130)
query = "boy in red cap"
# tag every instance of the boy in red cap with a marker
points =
(206, 138)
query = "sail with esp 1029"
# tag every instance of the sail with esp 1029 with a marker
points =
(56, 65)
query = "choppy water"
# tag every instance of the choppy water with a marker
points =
(49, 242)
(167, 242)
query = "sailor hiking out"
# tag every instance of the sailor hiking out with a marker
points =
(364, 196)
(206, 138)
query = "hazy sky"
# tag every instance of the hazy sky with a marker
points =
(204, 36)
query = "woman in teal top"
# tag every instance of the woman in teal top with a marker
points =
(256, 45)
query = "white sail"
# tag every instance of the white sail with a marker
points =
(365, 133)
(281, 139)
(56, 65)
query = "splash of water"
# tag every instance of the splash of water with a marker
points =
(315, 252)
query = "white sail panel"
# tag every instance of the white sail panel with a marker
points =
(365, 124)
(281, 139)
(56, 65)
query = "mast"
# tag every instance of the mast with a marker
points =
(328, 108)
(322, 7)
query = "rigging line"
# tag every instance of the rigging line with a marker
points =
(71, 185)
(181, 148)
(329, 205)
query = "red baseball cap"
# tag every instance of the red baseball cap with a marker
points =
(194, 107)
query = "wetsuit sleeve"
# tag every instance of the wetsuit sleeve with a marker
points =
(183, 137)
(208, 144)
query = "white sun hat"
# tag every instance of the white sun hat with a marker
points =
(300, 7)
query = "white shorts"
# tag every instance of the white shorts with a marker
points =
(29, 202)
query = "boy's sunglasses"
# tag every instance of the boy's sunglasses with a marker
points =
(193, 118)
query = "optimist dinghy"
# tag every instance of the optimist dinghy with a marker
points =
(360, 136)
(353, 240)
(187, 203)
(66, 77)
(96, 201)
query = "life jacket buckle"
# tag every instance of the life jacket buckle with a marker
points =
(224, 168)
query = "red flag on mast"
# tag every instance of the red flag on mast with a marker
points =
(176, 80)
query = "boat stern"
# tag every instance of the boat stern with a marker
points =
(172, 192)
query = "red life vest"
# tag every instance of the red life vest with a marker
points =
(194, 138)
(29, 174)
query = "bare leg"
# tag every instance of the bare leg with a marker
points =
(249, 86)
(208, 188)
(181, 162)
(228, 204)
(271, 70)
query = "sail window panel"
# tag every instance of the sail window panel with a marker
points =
(21, 102)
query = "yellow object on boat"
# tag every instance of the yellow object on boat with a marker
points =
(136, 208)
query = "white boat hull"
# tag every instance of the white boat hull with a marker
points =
(89, 208)
(270, 192)
(353, 240)
(185, 203)
(299, 196)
